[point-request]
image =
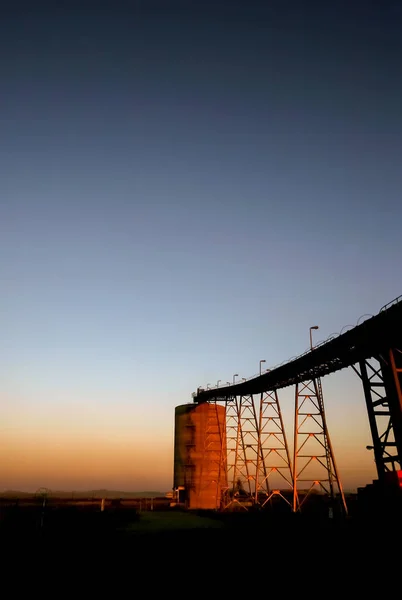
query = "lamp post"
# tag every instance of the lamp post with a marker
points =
(234, 377)
(311, 337)
(261, 361)
(208, 384)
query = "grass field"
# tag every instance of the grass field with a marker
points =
(168, 521)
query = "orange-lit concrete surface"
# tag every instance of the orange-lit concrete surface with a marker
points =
(200, 454)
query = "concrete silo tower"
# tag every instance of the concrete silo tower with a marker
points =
(200, 475)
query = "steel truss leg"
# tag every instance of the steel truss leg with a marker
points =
(242, 449)
(382, 385)
(273, 458)
(313, 460)
(232, 425)
(212, 472)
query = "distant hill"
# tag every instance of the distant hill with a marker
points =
(16, 494)
(82, 494)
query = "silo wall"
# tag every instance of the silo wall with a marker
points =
(200, 454)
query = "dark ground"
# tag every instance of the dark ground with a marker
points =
(79, 545)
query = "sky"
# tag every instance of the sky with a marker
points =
(186, 188)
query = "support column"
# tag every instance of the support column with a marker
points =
(314, 466)
(232, 435)
(382, 383)
(242, 450)
(274, 470)
(249, 439)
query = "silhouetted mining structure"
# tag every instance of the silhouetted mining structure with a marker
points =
(231, 449)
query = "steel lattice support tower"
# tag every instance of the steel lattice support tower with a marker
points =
(242, 448)
(248, 451)
(382, 384)
(313, 458)
(232, 434)
(273, 458)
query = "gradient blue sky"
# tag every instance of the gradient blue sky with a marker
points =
(185, 188)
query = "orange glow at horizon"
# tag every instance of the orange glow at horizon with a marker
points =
(67, 442)
(67, 461)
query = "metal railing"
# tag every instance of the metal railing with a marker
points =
(297, 357)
